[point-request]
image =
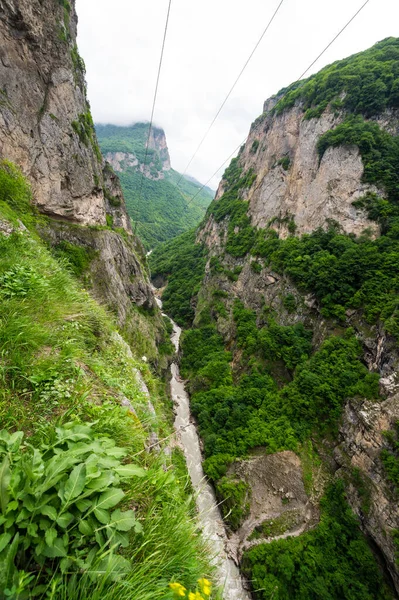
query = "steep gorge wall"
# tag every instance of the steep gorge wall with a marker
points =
(294, 192)
(47, 130)
(43, 95)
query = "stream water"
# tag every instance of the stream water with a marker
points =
(210, 519)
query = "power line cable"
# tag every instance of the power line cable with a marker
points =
(303, 74)
(215, 173)
(231, 90)
(152, 113)
(333, 40)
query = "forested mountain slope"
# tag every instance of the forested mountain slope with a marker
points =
(162, 203)
(292, 354)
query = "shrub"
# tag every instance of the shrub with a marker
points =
(58, 502)
(14, 189)
(285, 162)
(390, 457)
(78, 257)
(234, 497)
(255, 146)
(289, 303)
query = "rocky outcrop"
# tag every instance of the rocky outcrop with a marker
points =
(279, 504)
(158, 143)
(292, 183)
(115, 275)
(120, 161)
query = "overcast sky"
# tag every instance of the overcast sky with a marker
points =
(208, 43)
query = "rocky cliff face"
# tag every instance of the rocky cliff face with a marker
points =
(47, 130)
(292, 183)
(158, 143)
(45, 119)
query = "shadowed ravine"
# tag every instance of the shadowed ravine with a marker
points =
(208, 512)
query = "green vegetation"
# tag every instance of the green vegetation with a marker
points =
(84, 128)
(341, 271)
(289, 303)
(390, 457)
(15, 197)
(78, 258)
(234, 498)
(242, 407)
(182, 263)
(216, 266)
(56, 502)
(273, 527)
(64, 31)
(284, 162)
(161, 210)
(79, 67)
(240, 234)
(365, 83)
(332, 561)
(85, 510)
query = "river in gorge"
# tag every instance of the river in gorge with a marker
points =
(209, 516)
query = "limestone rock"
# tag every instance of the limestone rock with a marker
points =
(43, 104)
(277, 495)
(308, 190)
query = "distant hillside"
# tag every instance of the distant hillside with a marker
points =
(193, 180)
(163, 211)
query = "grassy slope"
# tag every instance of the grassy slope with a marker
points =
(163, 211)
(61, 360)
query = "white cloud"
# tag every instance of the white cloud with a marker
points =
(208, 42)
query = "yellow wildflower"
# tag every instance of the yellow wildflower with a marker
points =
(178, 589)
(205, 586)
(195, 596)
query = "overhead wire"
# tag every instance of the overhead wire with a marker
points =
(230, 91)
(281, 97)
(152, 114)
